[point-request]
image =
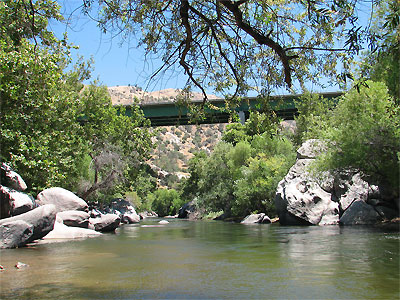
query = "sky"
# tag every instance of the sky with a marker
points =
(114, 64)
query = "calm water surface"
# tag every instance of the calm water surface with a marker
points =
(210, 260)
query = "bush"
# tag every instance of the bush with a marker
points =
(166, 202)
(364, 135)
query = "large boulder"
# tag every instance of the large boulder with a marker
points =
(300, 200)
(125, 210)
(13, 202)
(61, 231)
(41, 219)
(12, 179)
(256, 219)
(15, 234)
(106, 223)
(62, 199)
(130, 218)
(306, 199)
(360, 213)
(74, 218)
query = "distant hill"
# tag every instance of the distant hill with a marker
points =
(125, 95)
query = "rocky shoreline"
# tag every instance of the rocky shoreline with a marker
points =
(56, 214)
(301, 199)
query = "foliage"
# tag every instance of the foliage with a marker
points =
(241, 178)
(256, 187)
(165, 202)
(364, 135)
(38, 132)
(382, 62)
(314, 112)
(257, 123)
(41, 104)
(116, 142)
(237, 46)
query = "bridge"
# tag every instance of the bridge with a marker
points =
(215, 111)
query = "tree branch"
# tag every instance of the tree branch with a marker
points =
(260, 38)
(184, 14)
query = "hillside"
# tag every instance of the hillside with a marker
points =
(125, 95)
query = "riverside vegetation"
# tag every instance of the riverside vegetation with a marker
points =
(57, 132)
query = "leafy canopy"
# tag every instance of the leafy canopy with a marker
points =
(233, 47)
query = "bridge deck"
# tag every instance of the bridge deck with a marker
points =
(169, 113)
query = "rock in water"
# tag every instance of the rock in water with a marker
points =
(163, 222)
(15, 234)
(300, 200)
(62, 231)
(21, 265)
(256, 219)
(360, 213)
(41, 219)
(62, 199)
(106, 223)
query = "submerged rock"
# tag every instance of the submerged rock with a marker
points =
(256, 219)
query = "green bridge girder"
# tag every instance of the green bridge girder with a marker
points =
(169, 113)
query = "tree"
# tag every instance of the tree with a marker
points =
(364, 136)
(41, 104)
(116, 142)
(382, 62)
(237, 46)
(38, 130)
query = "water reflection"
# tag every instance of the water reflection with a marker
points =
(212, 260)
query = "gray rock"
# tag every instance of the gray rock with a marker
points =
(12, 179)
(360, 213)
(253, 219)
(130, 218)
(189, 211)
(349, 187)
(62, 199)
(74, 218)
(15, 234)
(107, 222)
(299, 197)
(61, 231)
(14, 202)
(311, 149)
(266, 220)
(41, 218)
(148, 214)
(387, 213)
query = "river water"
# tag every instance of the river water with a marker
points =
(209, 260)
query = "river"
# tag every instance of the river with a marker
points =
(209, 260)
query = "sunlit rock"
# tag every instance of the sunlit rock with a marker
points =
(15, 234)
(12, 179)
(62, 199)
(41, 219)
(74, 218)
